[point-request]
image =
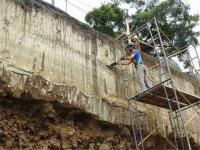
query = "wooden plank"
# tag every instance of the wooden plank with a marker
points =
(152, 89)
(157, 101)
(154, 102)
(156, 96)
(192, 99)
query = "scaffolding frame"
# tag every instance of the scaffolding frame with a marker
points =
(165, 79)
(195, 70)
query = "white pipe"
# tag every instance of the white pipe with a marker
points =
(128, 30)
(53, 2)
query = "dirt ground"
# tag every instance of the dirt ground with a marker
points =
(44, 125)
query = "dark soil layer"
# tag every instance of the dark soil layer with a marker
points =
(44, 125)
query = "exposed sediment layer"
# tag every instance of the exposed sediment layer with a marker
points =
(28, 124)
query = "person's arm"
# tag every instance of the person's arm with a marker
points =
(137, 45)
(127, 60)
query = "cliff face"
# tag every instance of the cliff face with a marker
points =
(47, 55)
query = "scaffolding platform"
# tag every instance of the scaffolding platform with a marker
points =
(156, 96)
(163, 95)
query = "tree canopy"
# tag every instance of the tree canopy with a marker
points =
(173, 18)
(108, 19)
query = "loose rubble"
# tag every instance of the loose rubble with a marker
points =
(29, 124)
(44, 125)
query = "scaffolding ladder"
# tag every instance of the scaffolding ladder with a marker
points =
(181, 138)
(195, 68)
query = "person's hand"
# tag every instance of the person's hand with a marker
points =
(136, 39)
(122, 58)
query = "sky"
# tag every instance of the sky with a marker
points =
(88, 5)
(79, 8)
(74, 6)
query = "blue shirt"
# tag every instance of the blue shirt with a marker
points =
(137, 59)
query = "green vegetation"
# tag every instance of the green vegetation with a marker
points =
(173, 18)
(108, 19)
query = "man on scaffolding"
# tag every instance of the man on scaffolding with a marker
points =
(134, 51)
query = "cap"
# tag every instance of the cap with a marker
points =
(130, 44)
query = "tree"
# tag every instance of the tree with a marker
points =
(173, 19)
(109, 19)
(172, 15)
(137, 4)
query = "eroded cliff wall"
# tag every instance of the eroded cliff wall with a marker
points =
(51, 55)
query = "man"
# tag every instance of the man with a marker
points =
(135, 57)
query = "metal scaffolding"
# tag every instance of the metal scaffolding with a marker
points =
(164, 94)
(195, 68)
